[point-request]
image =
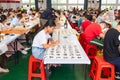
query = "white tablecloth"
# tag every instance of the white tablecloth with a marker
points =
(12, 37)
(69, 51)
(3, 48)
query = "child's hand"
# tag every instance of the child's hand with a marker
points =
(57, 42)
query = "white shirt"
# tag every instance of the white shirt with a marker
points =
(40, 39)
(72, 19)
(100, 19)
(14, 21)
(27, 8)
(3, 26)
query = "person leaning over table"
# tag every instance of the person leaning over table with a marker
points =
(16, 21)
(25, 17)
(2, 70)
(3, 26)
(111, 51)
(114, 23)
(95, 31)
(3, 20)
(100, 17)
(42, 41)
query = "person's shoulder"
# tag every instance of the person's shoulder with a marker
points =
(42, 32)
(93, 24)
(113, 31)
(14, 19)
(0, 23)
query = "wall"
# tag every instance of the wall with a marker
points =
(93, 5)
(10, 5)
(6, 4)
(43, 6)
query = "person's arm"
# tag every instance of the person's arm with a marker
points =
(51, 44)
(14, 25)
(119, 48)
(102, 34)
(81, 29)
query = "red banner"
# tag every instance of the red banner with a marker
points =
(9, 1)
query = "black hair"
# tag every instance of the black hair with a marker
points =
(103, 22)
(19, 15)
(74, 17)
(118, 23)
(89, 17)
(58, 11)
(101, 12)
(117, 18)
(24, 11)
(2, 18)
(50, 23)
(52, 17)
(30, 9)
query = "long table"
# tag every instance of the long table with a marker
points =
(13, 37)
(69, 50)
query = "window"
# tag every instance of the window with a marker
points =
(103, 7)
(71, 6)
(54, 1)
(28, 2)
(25, 1)
(32, 6)
(80, 7)
(63, 7)
(118, 1)
(104, 1)
(111, 2)
(80, 1)
(54, 6)
(118, 7)
(24, 6)
(108, 6)
(72, 1)
(32, 1)
(62, 1)
(67, 4)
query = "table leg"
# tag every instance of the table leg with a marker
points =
(86, 74)
(15, 52)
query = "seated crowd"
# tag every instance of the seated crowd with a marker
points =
(100, 28)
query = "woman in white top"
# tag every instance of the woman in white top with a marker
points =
(40, 42)
(3, 19)
(100, 17)
(16, 21)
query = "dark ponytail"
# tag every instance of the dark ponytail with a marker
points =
(2, 18)
(50, 23)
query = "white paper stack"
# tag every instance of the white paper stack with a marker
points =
(64, 52)
(3, 48)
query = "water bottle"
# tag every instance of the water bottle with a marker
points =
(65, 24)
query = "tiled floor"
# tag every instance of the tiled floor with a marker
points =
(20, 70)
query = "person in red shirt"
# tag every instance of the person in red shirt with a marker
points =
(85, 23)
(93, 31)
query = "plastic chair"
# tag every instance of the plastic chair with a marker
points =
(33, 65)
(99, 67)
(91, 50)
